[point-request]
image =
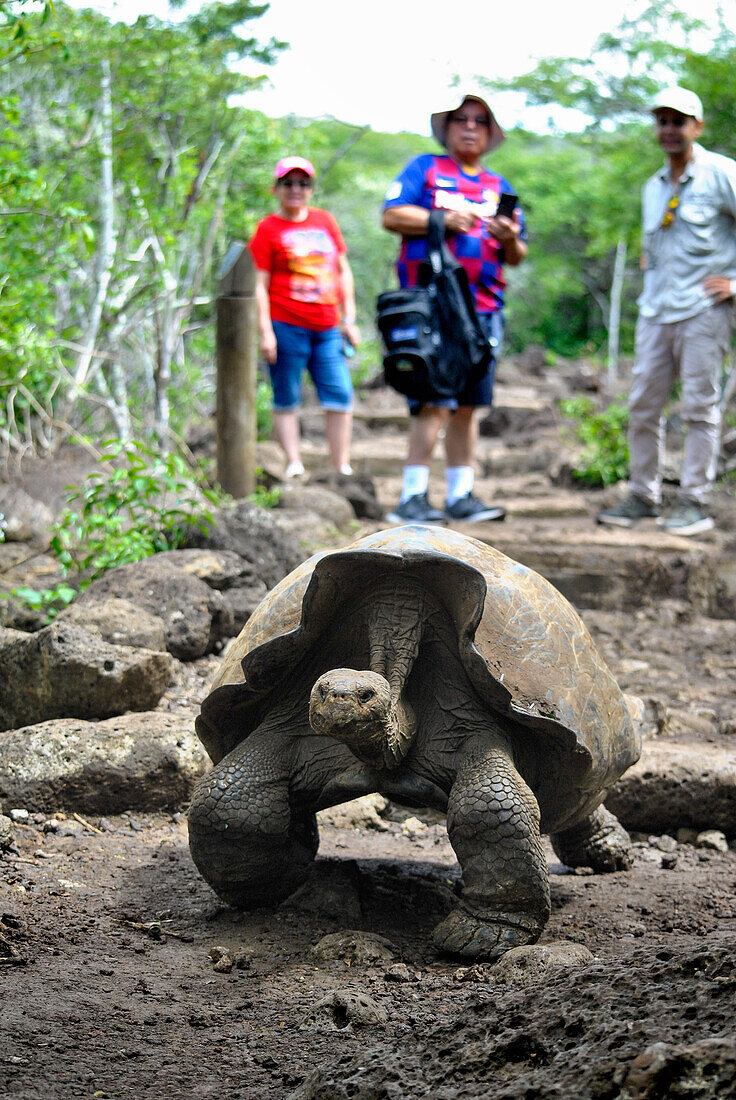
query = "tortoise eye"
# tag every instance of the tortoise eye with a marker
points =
(366, 695)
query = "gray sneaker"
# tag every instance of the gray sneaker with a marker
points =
(416, 509)
(686, 518)
(469, 509)
(628, 512)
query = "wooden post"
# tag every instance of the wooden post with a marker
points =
(237, 362)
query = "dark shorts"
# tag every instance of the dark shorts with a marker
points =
(482, 392)
(299, 349)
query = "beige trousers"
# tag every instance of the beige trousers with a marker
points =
(693, 350)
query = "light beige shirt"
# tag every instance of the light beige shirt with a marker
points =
(701, 240)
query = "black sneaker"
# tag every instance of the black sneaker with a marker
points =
(628, 512)
(470, 510)
(416, 509)
(687, 518)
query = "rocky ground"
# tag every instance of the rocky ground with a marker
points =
(122, 974)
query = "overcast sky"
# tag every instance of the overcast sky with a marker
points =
(390, 63)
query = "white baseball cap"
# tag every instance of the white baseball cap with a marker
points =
(679, 99)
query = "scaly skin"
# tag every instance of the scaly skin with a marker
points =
(357, 708)
(599, 841)
(252, 833)
(241, 835)
(434, 724)
(493, 824)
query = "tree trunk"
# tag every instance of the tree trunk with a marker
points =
(107, 228)
(119, 409)
(107, 245)
(614, 324)
(162, 378)
(237, 362)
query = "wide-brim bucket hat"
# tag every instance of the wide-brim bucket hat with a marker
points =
(440, 119)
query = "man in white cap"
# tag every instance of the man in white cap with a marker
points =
(483, 240)
(685, 314)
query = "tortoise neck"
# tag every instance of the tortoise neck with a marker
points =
(400, 730)
(397, 622)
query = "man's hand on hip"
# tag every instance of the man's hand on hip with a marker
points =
(719, 287)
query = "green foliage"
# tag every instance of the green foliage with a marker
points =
(128, 270)
(23, 28)
(137, 504)
(264, 410)
(587, 196)
(48, 600)
(626, 67)
(605, 459)
(367, 362)
(109, 244)
(263, 497)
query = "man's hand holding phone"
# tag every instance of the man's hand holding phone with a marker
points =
(505, 226)
(506, 205)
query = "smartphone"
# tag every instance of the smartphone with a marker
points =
(506, 205)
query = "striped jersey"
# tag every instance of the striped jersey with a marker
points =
(436, 182)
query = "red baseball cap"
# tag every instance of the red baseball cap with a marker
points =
(289, 164)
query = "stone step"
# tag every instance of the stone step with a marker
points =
(599, 567)
(393, 414)
(553, 531)
(603, 568)
(381, 456)
(678, 785)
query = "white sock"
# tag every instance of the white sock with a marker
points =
(460, 481)
(416, 480)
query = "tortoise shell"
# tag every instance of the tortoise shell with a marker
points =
(525, 649)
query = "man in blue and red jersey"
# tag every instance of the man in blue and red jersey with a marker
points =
(456, 182)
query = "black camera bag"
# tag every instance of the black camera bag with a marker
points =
(435, 346)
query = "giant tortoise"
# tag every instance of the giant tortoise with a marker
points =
(427, 666)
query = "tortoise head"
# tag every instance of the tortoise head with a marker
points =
(358, 709)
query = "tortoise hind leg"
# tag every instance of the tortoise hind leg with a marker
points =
(598, 841)
(493, 825)
(242, 834)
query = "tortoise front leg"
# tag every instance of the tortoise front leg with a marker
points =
(493, 825)
(242, 835)
(252, 828)
(598, 841)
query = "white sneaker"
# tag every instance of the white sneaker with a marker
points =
(294, 469)
(346, 469)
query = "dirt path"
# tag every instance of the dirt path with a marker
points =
(111, 986)
(122, 975)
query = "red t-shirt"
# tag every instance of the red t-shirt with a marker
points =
(302, 259)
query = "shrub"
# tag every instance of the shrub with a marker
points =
(137, 504)
(264, 411)
(605, 459)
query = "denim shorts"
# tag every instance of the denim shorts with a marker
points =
(482, 392)
(299, 349)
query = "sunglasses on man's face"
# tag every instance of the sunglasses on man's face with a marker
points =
(671, 120)
(297, 182)
(475, 120)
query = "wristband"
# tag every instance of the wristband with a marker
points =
(348, 320)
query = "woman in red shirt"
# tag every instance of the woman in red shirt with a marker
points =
(305, 300)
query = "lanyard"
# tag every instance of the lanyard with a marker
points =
(671, 208)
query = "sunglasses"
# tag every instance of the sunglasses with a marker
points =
(467, 120)
(303, 183)
(675, 120)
